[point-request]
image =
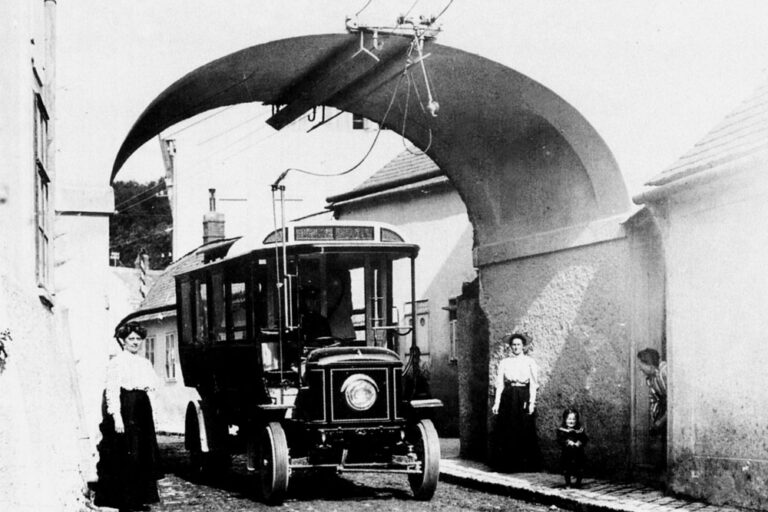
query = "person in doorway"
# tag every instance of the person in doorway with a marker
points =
(572, 439)
(129, 463)
(515, 406)
(655, 371)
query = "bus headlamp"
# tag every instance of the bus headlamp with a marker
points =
(360, 391)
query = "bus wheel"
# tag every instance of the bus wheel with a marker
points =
(273, 463)
(192, 444)
(426, 444)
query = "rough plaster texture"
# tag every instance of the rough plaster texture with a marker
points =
(715, 246)
(39, 428)
(574, 306)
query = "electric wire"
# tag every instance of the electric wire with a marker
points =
(146, 191)
(364, 7)
(441, 12)
(254, 118)
(176, 132)
(370, 149)
(137, 203)
(405, 116)
(409, 10)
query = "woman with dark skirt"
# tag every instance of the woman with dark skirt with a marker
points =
(514, 406)
(129, 464)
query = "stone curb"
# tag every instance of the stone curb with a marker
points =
(547, 489)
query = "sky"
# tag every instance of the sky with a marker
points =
(652, 77)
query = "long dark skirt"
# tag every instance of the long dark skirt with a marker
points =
(572, 461)
(516, 444)
(129, 463)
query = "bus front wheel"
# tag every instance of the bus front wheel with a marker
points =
(273, 463)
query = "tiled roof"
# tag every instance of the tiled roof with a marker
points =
(409, 163)
(742, 133)
(163, 291)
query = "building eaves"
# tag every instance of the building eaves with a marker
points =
(743, 133)
(407, 168)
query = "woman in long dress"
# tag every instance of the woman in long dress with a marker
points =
(515, 406)
(128, 466)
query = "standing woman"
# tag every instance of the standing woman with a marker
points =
(128, 465)
(515, 405)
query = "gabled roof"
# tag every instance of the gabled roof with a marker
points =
(742, 133)
(163, 291)
(409, 167)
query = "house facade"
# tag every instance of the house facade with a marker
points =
(47, 221)
(712, 207)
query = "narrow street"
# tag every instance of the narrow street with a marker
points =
(235, 492)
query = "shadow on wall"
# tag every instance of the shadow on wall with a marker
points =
(574, 307)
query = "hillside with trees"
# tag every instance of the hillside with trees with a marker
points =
(142, 221)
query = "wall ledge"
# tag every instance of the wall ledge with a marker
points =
(571, 237)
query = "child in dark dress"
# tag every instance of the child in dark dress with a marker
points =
(572, 439)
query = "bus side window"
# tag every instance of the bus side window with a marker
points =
(219, 326)
(201, 313)
(187, 326)
(239, 310)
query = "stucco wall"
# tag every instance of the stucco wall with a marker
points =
(574, 306)
(40, 431)
(715, 245)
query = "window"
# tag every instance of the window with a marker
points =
(239, 310)
(42, 206)
(201, 314)
(170, 356)
(149, 349)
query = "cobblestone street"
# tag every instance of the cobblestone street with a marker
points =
(235, 492)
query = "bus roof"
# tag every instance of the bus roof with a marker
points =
(333, 234)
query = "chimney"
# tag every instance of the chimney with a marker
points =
(213, 221)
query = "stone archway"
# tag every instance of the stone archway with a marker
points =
(542, 190)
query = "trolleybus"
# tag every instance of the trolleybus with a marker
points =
(292, 340)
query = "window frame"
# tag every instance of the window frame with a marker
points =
(42, 181)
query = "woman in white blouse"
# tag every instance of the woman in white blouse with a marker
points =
(128, 465)
(514, 407)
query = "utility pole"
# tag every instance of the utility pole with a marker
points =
(168, 149)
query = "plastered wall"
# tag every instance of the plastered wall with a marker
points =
(574, 306)
(715, 244)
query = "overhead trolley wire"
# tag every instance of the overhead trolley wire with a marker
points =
(217, 112)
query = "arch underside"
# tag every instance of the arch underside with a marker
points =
(523, 160)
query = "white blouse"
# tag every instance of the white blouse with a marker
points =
(128, 371)
(520, 369)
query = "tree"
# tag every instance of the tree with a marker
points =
(142, 220)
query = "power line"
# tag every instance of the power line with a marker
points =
(172, 134)
(150, 189)
(255, 118)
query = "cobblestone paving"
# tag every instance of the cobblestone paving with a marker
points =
(367, 492)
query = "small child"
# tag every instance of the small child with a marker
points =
(572, 438)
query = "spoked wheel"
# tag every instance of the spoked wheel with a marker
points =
(273, 463)
(426, 444)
